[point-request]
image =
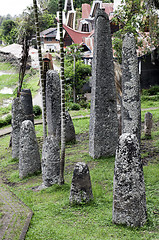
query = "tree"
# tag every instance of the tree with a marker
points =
(62, 158)
(9, 31)
(52, 6)
(133, 17)
(76, 71)
(73, 53)
(41, 70)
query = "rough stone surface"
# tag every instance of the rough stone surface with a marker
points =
(26, 100)
(131, 107)
(22, 109)
(148, 124)
(53, 106)
(129, 199)
(18, 117)
(29, 156)
(103, 132)
(81, 190)
(50, 161)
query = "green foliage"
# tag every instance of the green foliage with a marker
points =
(76, 72)
(9, 31)
(53, 6)
(154, 90)
(75, 106)
(37, 110)
(133, 17)
(82, 71)
(6, 121)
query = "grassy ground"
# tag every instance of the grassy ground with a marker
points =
(10, 80)
(55, 219)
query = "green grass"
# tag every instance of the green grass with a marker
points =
(7, 67)
(4, 96)
(81, 125)
(10, 80)
(155, 114)
(149, 104)
(55, 219)
(81, 112)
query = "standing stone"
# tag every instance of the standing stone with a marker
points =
(131, 107)
(26, 101)
(22, 109)
(29, 156)
(50, 161)
(17, 119)
(81, 190)
(53, 108)
(103, 131)
(148, 124)
(129, 199)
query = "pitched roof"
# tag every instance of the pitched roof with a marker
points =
(50, 32)
(15, 49)
(86, 9)
(76, 36)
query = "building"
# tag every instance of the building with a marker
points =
(48, 39)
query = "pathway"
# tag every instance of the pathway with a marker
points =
(16, 215)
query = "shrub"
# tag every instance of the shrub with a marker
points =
(8, 119)
(83, 104)
(154, 90)
(37, 110)
(75, 106)
(149, 98)
(1, 123)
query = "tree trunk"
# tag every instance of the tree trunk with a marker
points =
(62, 160)
(23, 62)
(74, 80)
(42, 81)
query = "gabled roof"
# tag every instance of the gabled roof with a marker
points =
(50, 32)
(15, 49)
(76, 36)
(86, 9)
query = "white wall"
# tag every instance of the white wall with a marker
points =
(116, 3)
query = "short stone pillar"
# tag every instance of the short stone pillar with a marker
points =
(131, 107)
(17, 118)
(29, 156)
(81, 190)
(148, 124)
(103, 130)
(53, 108)
(50, 162)
(129, 199)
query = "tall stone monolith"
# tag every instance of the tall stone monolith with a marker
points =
(29, 156)
(103, 131)
(129, 199)
(22, 109)
(50, 161)
(131, 107)
(53, 108)
(81, 190)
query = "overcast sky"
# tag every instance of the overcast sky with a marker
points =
(14, 7)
